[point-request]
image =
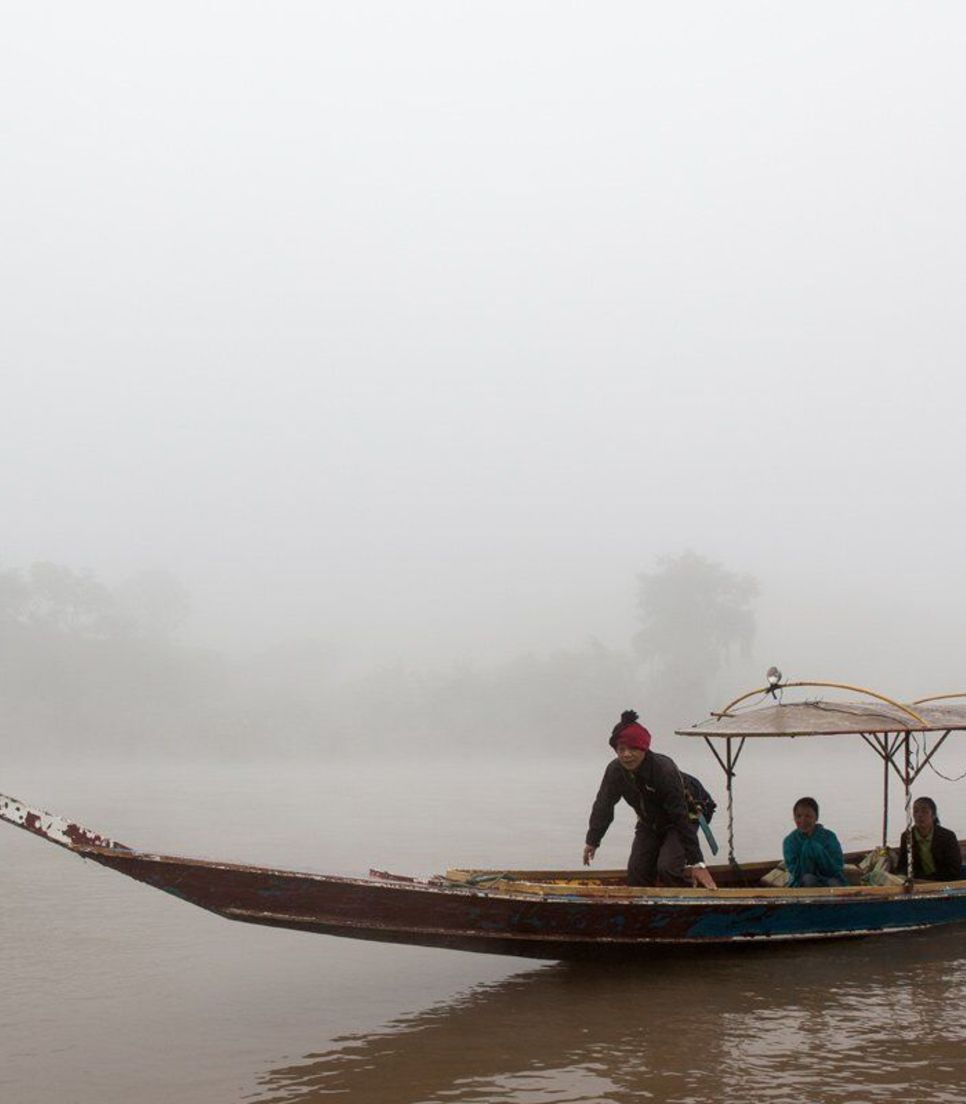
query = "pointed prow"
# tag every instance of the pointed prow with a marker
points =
(54, 829)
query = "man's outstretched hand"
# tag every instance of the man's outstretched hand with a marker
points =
(701, 876)
(589, 853)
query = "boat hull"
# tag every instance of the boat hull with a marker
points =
(561, 925)
(535, 914)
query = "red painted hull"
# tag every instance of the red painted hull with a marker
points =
(536, 921)
(434, 914)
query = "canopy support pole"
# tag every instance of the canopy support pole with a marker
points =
(907, 784)
(732, 762)
(714, 752)
(884, 743)
(729, 778)
(886, 750)
(728, 765)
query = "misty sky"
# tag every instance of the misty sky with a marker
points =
(424, 327)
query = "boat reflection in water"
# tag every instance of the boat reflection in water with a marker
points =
(859, 1021)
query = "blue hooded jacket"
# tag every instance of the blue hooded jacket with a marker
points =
(819, 854)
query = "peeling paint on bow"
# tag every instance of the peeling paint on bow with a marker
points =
(57, 829)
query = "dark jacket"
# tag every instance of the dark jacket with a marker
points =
(945, 854)
(655, 792)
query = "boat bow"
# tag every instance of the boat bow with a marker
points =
(54, 829)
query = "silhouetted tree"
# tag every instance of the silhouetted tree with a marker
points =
(152, 604)
(51, 597)
(694, 614)
(81, 660)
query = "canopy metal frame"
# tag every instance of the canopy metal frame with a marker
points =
(894, 748)
(885, 744)
(886, 749)
(728, 765)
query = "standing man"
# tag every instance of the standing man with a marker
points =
(666, 849)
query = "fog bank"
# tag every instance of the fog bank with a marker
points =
(406, 337)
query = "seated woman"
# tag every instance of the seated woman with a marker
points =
(935, 850)
(813, 854)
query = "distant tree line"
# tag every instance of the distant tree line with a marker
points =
(92, 669)
(85, 666)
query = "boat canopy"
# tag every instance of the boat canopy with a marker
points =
(831, 718)
(892, 729)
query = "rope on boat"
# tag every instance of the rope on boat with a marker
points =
(731, 825)
(908, 837)
(946, 777)
(929, 763)
(908, 791)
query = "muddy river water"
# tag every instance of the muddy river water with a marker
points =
(114, 992)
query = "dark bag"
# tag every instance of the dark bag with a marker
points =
(699, 800)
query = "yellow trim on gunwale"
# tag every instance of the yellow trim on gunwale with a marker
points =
(561, 889)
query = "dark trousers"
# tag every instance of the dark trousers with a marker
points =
(656, 860)
(809, 881)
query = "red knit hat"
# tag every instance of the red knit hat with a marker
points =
(628, 732)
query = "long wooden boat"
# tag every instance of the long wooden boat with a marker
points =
(536, 914)
(568, 914)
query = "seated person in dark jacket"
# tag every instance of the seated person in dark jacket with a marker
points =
(666, 849)
(935, 850)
